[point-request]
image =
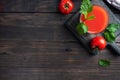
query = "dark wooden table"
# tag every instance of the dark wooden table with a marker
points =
(34, 45)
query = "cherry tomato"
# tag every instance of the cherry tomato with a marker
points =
(66, 6)
(98, 42)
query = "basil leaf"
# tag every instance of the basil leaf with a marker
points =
(104, 63)
(112, 35)
(86, 7)
(109, 36)
(91, 17)
(113, 27)
(81, 28)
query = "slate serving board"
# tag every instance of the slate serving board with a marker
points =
(85, 39)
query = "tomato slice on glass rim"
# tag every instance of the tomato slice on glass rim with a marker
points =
(99, 23)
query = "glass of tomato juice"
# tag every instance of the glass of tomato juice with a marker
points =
(99, 23)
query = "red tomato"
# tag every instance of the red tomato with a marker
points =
(98, 42)
(66, 6)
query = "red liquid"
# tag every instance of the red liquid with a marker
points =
(99, 23)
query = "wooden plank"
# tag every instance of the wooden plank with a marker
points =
(32, 19)
(36, 60)
(39, 26)
(36, 54)
(36, 6)
(58, 74)
(33, 6)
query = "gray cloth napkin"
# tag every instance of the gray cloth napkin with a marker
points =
(115, 3)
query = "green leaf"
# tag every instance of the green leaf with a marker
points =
(86, 7)
(104, 63)
(113, 27)
(91, 17)
(109, 36)
(81, 28)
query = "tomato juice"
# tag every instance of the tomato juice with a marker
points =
(99, 23)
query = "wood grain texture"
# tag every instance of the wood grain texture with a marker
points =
(59, 74)
(37, 26)
(44, 27)
(33, 6)
(27, 54)
(37, 60)
(28, 6)
(35, 45)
